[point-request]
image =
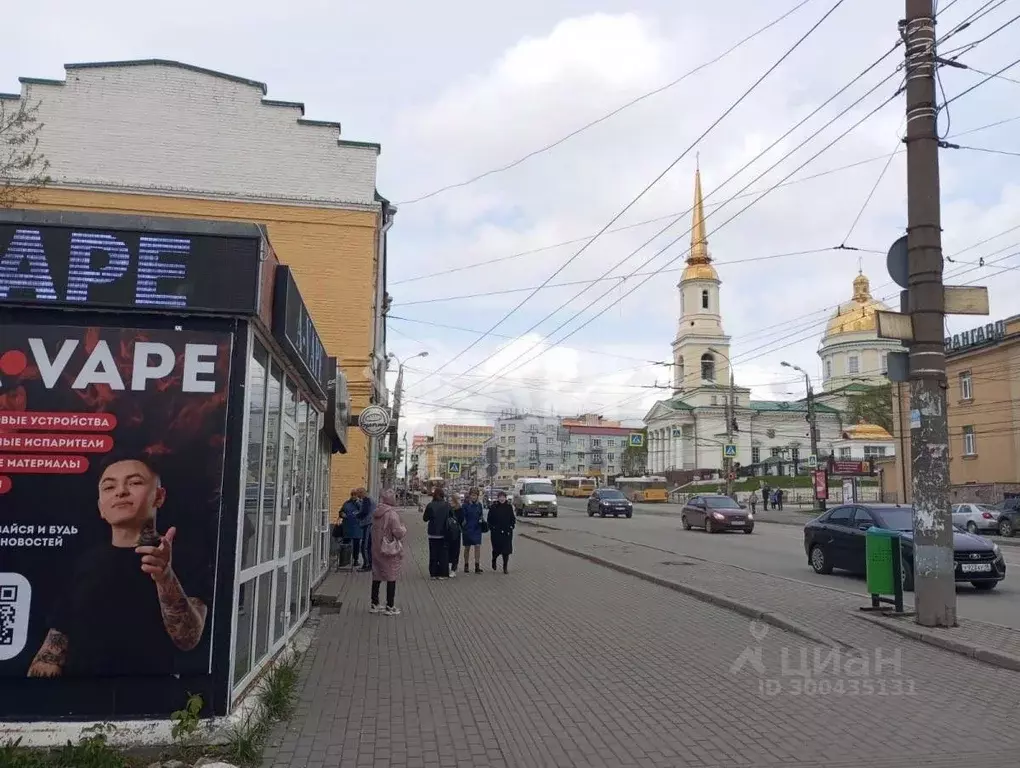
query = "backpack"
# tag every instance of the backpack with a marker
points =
(452, 527)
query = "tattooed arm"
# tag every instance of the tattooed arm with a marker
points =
(50, 660)
(183, 616)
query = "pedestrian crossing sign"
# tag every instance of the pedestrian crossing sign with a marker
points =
(729, 451)
(454, 467)
(637, 439)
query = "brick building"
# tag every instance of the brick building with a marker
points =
(163, 138)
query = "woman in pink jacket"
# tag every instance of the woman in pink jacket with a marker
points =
(387, 552)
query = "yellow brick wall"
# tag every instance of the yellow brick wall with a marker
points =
(332, 254)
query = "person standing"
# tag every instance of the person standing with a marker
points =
(437, 515)
(501, 530)
(472, 518)
(764, 497)
(753, 498)
(367, 506)
(350, 523)
(454, 525)
(387, 542)
(779, 499)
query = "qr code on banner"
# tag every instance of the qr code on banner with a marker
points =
(15, 602)
(8, 612)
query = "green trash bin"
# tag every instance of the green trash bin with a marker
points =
(884, 566)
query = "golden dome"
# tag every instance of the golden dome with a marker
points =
(866, 432)
(858, 314)
(702, 271)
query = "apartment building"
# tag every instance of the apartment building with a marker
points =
(983, 409)
(460, 448)
(528, 446)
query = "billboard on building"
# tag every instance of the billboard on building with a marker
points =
(112, 444)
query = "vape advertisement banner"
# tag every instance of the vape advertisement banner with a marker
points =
(111, 471)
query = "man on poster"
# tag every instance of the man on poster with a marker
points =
(125, 611)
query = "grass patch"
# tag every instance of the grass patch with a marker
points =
(275, 701)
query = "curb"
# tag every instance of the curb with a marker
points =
(744, 609)
(976, 652)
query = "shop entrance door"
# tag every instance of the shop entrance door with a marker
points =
(285, 532)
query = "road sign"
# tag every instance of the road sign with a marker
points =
(374, 420)
(453, 467)
(637, 439)
(729, 451)
(812, 461)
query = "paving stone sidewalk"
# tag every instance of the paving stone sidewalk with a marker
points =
(565, 663)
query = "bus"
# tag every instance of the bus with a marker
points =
(643, 489)
(577, 487)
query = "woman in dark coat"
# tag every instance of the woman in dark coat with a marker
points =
(501, 530)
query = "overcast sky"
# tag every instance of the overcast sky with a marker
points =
(453, 89)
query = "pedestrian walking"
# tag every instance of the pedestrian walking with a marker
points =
(764, 497)
(388, 533)
(454, 526)
(753, 498)
(501, 530)
(437, 515)
(351, 525)
(779, 499)
(473, 520)
(365, 515)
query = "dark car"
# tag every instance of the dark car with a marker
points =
(836, 540)
(1009, 517)
(609, 501)
(715, 513)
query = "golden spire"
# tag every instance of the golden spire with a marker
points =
(699, 239)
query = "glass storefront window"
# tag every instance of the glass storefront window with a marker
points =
(280, 623)
(286, 491)
(265, 609)
(253, 474)
(242, 644)
(272, 447)
(301, 476)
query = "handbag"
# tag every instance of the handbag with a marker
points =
(337, 531)
(391, 547)
(452, 528)
(484, 525)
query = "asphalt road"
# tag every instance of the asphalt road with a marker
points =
(777, 550)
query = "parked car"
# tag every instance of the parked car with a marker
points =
(715, 513)
(976, 517)
(835, 540)
(1009, 517)
(609, 501)
(534, 495)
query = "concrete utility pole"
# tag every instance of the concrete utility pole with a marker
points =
(934, 581)
(812, 421)
(398, 392)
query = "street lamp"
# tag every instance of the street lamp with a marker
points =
(397, 393)
(730, 408)
(819, 503)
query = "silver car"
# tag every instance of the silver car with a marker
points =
(976, 517)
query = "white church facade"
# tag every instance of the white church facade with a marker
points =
(689, 431)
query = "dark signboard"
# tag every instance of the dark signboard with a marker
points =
(980, 335)
(128, 269)
(294, 329)
(338, 406)
(844, 467)
(112, 449)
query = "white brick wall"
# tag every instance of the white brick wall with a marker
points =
(167, 128)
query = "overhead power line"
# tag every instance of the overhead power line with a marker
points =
(608, 115)
(977, 85)
(646, 279)
(862, 74)
(789, 52)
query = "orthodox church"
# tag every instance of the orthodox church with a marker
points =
(689, 431)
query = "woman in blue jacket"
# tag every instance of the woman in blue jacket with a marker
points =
(473, 515)
(350, 524)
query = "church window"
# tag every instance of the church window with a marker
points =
(756, 455)
(680, 371)
(853, 365)
(707, 367)
(885, 362)
(704, 299)
(828, 369)
(715, 400)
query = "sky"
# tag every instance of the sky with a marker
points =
(454, 90)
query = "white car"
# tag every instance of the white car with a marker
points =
(976, 517)
(534, 496)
